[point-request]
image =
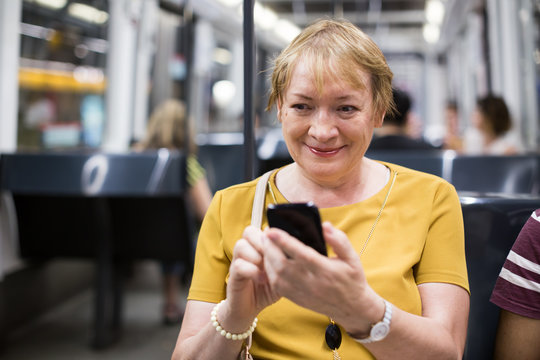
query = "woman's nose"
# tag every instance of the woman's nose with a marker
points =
(322, 126)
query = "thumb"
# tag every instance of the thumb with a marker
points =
(339, 242)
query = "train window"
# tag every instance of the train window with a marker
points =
(169, 63)
(61, 74)
(217, 80)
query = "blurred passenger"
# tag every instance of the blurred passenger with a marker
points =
(452, 139)
(166, 129)
(517, 293)
(394, 285)
(393, 135)
(491, 129)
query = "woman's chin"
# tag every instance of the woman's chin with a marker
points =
(323, 172)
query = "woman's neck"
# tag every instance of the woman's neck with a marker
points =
(297, 186)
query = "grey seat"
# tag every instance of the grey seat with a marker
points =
(110, 208)
(429, 161)
(496, 174)
(492, 224)
(224, 164)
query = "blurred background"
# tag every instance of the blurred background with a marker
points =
(87, 73)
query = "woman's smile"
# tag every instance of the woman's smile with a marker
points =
(325, 151)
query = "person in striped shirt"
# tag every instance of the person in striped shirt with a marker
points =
(517, 293)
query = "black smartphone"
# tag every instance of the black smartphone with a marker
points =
(301, 220)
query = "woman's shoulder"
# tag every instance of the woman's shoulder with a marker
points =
(421, 180)
(239, 190)
(412, 173)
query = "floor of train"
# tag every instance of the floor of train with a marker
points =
(64, 332)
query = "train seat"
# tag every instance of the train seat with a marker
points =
(430, 161)
(518, 174)
(222, 156)
(110, 208)
(492, 223)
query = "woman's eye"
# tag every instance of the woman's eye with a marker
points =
(300, 106)
(347, 108)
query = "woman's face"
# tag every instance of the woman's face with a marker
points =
(327, 134)
(479, 121)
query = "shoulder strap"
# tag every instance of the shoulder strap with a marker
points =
(258, 200)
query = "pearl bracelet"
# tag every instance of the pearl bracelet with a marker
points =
(223, 332)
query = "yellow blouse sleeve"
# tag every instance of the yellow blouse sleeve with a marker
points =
(211, 262)
(443, 257)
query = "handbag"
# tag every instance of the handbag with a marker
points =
(256, 220)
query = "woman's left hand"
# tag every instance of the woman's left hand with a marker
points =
(335, 286)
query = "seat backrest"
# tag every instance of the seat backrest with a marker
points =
(224, 164)
(150, 173)
(64, 203)
(491, 227)
(429, 161)
(496, 174)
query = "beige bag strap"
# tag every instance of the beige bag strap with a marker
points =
(258, 200)
(256, 220)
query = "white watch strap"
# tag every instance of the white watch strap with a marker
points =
(380, 329)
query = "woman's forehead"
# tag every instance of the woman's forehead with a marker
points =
(319, 75)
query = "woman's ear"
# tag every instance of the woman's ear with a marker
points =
(278, 104)
(379, 120)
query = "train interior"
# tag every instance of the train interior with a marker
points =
(85, 219)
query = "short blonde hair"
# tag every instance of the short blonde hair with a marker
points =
(166, 127)
(339, 48)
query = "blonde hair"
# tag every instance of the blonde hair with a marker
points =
(338, 48)
(166, 127)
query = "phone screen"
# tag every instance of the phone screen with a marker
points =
(301, 220)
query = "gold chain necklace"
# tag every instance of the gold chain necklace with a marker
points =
(333, 333)
(376, 219)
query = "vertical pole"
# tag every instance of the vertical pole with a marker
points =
(10, 38)
(186, 46)
(249, 111)
(186, 50)
(120, 63)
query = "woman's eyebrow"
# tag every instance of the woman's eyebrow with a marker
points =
(302, 96)
(345, 97)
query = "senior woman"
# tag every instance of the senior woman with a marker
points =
(394, 284)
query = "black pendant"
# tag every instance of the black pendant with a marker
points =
(333, 336)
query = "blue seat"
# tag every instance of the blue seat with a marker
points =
(518, 174)
(224, 164)
(492, 224)
(430, 161)
(112, 208)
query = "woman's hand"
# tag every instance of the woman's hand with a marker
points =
(248, 289)
(335, 286)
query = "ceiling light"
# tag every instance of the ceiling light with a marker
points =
(223, 92)
(52, 4)
(264, 17)
(88, 13)
(431, 33)
(434, 12)
(286, 30)
(222, 56)
(230, 3)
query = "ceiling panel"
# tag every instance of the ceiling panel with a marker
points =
(391, 22)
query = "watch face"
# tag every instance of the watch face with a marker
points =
(379, 331)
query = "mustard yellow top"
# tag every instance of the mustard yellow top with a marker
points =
(419, 238)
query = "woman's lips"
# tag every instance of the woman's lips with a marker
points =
(324, 152)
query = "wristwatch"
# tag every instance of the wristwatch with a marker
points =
(381, 329)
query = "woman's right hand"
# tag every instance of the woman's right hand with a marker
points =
(248, 292)
(248, 289)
